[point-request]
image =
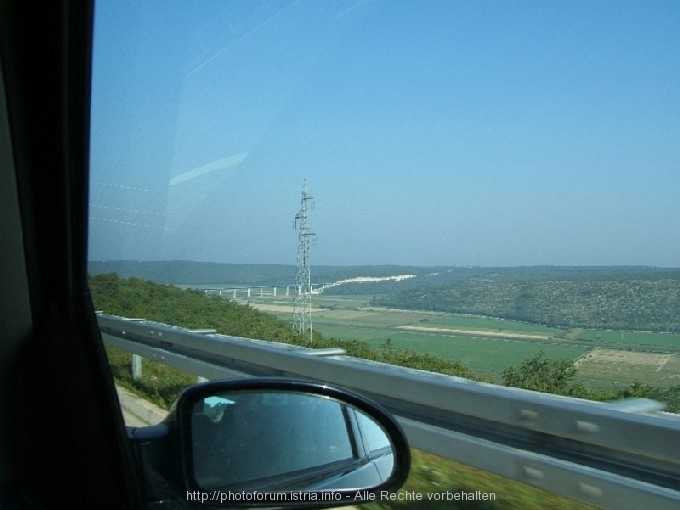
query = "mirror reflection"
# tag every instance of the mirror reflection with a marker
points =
(276, 440)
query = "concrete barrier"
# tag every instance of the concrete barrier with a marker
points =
(137, 411)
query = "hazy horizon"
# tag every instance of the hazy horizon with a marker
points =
(466, 266)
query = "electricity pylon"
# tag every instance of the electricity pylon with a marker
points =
(302, 316)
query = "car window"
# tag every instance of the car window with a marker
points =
(483, 189)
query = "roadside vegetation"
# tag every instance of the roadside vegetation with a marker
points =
(161, 384)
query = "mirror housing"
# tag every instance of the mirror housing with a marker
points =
(271, 442)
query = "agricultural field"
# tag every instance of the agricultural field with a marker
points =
(488, 345)
(487, 356)
(490, 324)
(602, 369)
(670, 340)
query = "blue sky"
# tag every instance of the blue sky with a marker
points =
(429, 132)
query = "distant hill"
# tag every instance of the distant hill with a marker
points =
(631, 302)
(428, 277)
(182, 272)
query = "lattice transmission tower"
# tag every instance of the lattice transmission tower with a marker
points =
(302, 316)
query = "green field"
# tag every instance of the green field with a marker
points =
(483, 355)
(487, 323)
(488, 345)
(487, 355)
(632, 338)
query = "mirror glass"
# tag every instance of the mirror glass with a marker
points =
(281, 441)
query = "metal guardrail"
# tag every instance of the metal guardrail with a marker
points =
(614, 456)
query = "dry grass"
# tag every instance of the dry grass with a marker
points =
(613, 368)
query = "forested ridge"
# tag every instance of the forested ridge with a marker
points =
(209, 273)
(604, 297)
(636, 304)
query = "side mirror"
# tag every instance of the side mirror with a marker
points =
(274, 442)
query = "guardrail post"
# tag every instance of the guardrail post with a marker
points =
(136, 366)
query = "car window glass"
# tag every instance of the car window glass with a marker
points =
(481, 189)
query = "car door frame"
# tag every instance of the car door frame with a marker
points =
(62, 434)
